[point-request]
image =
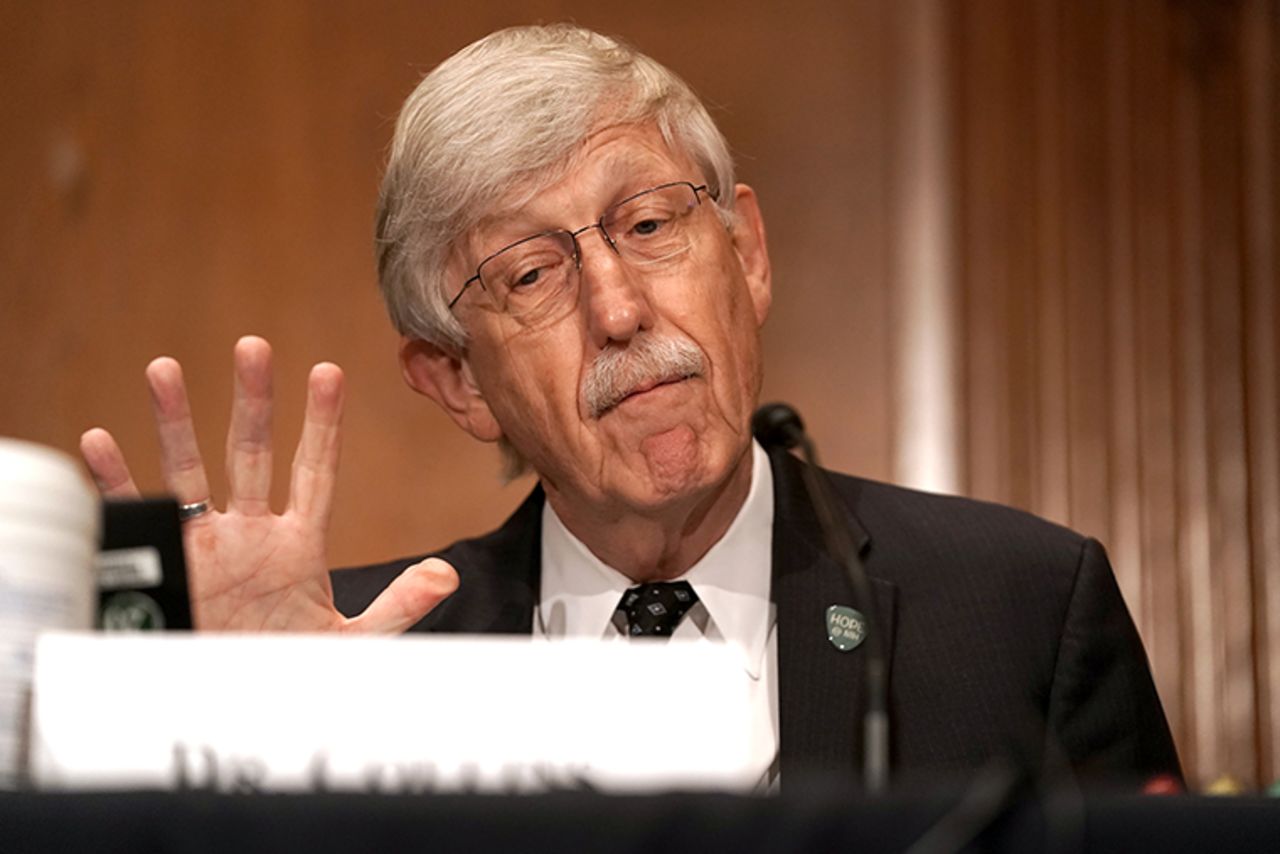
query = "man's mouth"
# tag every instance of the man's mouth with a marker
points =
(620, 374)
(641, 389)
(648, 386)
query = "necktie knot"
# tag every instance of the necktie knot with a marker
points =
(655, 609)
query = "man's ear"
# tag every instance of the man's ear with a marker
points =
(753, 253)
(446, 378)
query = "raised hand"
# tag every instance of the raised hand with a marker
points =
(251, 569)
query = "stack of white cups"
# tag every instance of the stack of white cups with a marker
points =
(49, 520)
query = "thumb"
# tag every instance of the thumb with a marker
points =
(408, 599)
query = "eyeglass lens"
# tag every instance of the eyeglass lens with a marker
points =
(532, 278)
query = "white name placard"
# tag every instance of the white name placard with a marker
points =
(408, 714)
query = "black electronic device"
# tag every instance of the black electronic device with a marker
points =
(142, 569)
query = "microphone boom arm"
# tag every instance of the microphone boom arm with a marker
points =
(779, 424)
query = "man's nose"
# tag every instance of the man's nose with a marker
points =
(614, 295)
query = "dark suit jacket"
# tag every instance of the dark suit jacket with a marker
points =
(1005, 634)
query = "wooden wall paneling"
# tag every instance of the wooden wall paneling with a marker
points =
(996, 249)
(923, 282)
(1087, 231)
(188, 173)
(1201, 300)
(1123, 409)
(1260, 74)
(1050, 459)
(218, 173)
(1124, 540)
(1221, 141)
(806, 117)
(1026, 434)
(1165, 628)
(1194, 550)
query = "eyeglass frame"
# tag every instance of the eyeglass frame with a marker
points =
(573, 234)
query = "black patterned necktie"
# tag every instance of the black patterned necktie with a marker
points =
(654, 610)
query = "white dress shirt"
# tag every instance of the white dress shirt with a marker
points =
(579, 597)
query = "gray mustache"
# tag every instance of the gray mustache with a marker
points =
(617, 372)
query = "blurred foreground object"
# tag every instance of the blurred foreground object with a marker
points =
(1225, 785)
(48, 536)
(295, 712)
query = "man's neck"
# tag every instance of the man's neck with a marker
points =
(664, 543)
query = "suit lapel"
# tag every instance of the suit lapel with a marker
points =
(821, 690)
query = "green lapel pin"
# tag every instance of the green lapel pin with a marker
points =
(846, 627)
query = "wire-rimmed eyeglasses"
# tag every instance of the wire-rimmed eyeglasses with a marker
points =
(531, 278)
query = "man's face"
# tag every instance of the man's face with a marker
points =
(669, 438)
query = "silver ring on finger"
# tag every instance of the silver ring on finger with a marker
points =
(187, 512)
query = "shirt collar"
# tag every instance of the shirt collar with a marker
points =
(579, 592)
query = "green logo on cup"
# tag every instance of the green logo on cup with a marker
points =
(846, 628)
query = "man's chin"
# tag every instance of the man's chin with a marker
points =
(673, 469)
(673, 459)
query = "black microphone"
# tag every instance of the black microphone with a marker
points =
(779, 425)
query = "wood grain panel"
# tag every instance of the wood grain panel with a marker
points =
(996, 250)
(1228, 487)
(1194, 536)
(192, 172)
(180, 174)
(1144, 158)
(1124, 540)
(1050, 463)
(1260, 69)
(1155, 345)
(924, 328)
(1087, 221)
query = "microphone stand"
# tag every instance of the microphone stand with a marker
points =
(778, 423)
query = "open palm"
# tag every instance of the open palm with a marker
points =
(251, 569)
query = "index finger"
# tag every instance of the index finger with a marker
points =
(315, 465)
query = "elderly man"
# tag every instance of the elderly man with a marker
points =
(577, 277)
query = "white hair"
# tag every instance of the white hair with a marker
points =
(508, 112)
